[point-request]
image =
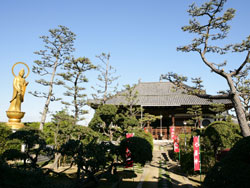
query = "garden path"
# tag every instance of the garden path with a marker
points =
(162, 172)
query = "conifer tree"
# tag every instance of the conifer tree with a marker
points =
(61, 130)
(74, 75)
(218, 109)
(105, 87)
(196, 115)
(131, 98)
(58, 48)
(210, 24)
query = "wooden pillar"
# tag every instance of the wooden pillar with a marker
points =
(173, 120)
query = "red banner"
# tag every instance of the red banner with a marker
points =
(176, 145)
(196, 145)
(172, 132)
(128, 135)
(129, 161)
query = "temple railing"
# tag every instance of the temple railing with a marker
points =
(163, 133)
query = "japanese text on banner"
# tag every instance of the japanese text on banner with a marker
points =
(196, 145)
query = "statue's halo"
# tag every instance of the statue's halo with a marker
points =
(24, 65)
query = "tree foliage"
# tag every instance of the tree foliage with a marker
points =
(106, 86)
(131, 100)
(196, 115)
(61, 129)
(148, 118)
(105, 121)
(233, 170)
(140, 148)
(89, 158)
(222, 135)
(218, 109)
(34, 146)
(139, 132)
(58, 46)
(218, 136)
(209, 23)
(4, 133)
(75, 70)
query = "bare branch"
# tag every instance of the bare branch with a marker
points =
(242, 65)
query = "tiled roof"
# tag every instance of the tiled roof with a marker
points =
(163, 94)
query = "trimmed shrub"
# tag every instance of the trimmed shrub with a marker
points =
(140, 148)
(233, 170)
(187, 162)
(217, 136)
(138, 132)
(222, 135)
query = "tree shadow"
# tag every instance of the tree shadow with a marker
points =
(127, 174)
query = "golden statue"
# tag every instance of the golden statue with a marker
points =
(19, 86)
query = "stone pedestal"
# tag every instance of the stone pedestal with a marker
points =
(15, 119)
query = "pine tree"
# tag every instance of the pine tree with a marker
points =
(196, 115)
(61, 129)
(131, 100)
(213, 26)
(105, 87)
(58, 48)
(218, 109)
(74, 75)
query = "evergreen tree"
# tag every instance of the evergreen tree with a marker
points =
(148, 118)
(217, 28)
(131, 100)
(218, 109)
(133, 109)
(196, 115)
(104, 120)
(76, 78)
(106, 86)
(61, 130)
(58, 48)
(198, 88)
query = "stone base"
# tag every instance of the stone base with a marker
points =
(15, 119)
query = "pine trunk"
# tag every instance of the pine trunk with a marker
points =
(46, 107)
(56, 161)
(238, 108)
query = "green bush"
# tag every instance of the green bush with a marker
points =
(222, 135)
(140, 148)
(18, 178)
(138, 132)
(88, 134)
(4, 133)
(34, 146)
(32, 125)
(187, 162)
(217, 136)
(95, 122)
(233, 170)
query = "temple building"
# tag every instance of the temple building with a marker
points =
(170, 103)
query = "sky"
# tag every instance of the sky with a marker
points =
(141, 36)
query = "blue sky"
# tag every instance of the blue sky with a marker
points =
(141, 35)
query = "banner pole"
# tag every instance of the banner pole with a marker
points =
(180, 156)
(200, 156)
